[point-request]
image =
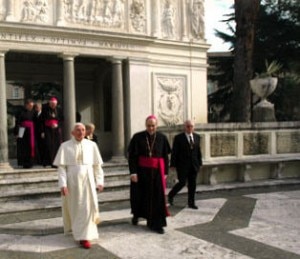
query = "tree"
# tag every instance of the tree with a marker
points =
(246, 12)
(277, 37)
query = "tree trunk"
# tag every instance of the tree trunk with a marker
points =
(246, 12)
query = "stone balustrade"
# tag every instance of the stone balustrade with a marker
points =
(246, 151)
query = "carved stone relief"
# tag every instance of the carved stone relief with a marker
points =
(138, 15)
(168, 19)
(197, 18)
(170, 98)
(35, 11)
(104, 13)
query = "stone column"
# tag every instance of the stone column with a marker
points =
(4, 164)
(60, 14)
(155, 22)
(117, 112)
(69, 99)
(184, 20)
(10, 11)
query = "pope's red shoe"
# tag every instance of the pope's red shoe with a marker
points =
(85, 244)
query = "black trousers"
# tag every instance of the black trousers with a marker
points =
(189, 176)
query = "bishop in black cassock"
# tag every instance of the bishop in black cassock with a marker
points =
(148, 164)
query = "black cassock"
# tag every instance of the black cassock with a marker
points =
(25, 154)
(53, 136)
(147, 195)
(39, 128)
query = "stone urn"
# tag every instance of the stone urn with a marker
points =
(263, 87)
(263, 111)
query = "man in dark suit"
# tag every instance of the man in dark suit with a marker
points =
(186, 158)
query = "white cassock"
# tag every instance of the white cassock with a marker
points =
(80, 169)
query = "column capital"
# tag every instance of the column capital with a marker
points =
(3, 52)
(116, 59)
(68, 56)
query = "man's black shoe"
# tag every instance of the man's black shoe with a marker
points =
(134, 221)
(160, 231)
(193, 206)
(171, 200)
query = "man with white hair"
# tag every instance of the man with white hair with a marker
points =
(186, 158)
(80, 175)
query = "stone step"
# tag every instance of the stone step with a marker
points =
(38, 171)
(52, 203)
(50, 189)
(52, 181)
(39, 182)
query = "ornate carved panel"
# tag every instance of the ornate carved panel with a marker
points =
(288, 142)
(256, 143)
(170, 98)
(223, 145)
(167, 19)
(138, 16)
(196, 14)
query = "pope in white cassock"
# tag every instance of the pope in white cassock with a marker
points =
(80, 176)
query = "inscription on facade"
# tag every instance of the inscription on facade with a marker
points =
(288, 142)
(223, 145)
(64, 41)
(256, 143)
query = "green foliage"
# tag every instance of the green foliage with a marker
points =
(277, 38)
(272, 69)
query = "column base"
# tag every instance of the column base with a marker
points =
(4, 167)
(118, 160)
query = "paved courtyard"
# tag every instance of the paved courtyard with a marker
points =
(245, 223)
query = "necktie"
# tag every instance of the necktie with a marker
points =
(191, 142)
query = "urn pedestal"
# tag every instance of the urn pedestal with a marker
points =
(263, 111)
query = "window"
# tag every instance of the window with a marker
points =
(16, 92)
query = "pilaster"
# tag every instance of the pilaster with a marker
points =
(4, 163)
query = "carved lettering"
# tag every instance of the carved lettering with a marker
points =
(64, 41)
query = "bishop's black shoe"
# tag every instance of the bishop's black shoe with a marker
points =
(160, 231)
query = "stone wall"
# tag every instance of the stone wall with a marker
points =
(246, 151)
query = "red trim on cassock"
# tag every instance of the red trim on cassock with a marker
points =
(50, 123)
(156, 163)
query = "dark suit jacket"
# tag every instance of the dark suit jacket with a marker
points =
(182, 155)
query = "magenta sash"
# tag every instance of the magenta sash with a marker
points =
(30, 126)
(157, 163)
(50, 123)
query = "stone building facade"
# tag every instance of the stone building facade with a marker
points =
(116, 61)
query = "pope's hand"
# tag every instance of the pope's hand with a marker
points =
(64, 191)
(100, 188)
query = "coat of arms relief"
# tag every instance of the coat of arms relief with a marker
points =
(170, 94)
